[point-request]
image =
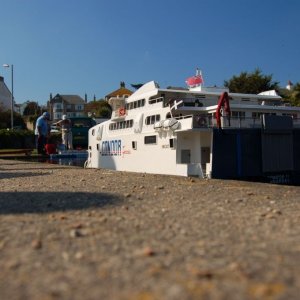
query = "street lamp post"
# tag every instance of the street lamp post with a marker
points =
(12, 94)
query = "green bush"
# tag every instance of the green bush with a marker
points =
(5, 117)
(16, 139)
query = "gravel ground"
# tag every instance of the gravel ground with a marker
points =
(73, 233)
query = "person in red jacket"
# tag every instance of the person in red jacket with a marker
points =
(50, 146)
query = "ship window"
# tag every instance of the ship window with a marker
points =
(121, 125)
(238, 114)
(136, 104)
(150, 139)
(171, 143)
(134, 145)
(152, 119)
(156, 100)
(198, 103)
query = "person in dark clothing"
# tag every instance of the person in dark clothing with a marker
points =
(42, 131)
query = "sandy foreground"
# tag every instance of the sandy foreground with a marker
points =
(73, 233)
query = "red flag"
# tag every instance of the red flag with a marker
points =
(194, 80)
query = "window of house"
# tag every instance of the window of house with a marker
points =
(57, 116)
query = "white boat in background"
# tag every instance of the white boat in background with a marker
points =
(180, 131)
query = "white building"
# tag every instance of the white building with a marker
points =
(5, 95)
(70, 105)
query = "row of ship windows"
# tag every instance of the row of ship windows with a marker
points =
(135, 104)
(121, 125)
(129, 123)
(141, 103)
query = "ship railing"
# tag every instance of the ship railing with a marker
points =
(185, 121)
(245, 122)
(186, 102)
(240, 122)
(208, 121)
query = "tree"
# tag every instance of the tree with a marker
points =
(104, 111)
(294, 95)
(251, 83)
(5, 120)
(31, 109)
(100, 109)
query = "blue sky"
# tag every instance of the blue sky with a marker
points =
(89, 46)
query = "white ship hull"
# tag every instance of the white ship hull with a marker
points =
(160, 158)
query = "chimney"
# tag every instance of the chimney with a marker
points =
(122, 84)
(85, 98)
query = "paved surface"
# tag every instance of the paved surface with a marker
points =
(72, 233)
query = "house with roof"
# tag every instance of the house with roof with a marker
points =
(70, 105)
(5, 95)
(122, 92)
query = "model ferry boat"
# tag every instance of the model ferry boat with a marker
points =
(199, 131)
